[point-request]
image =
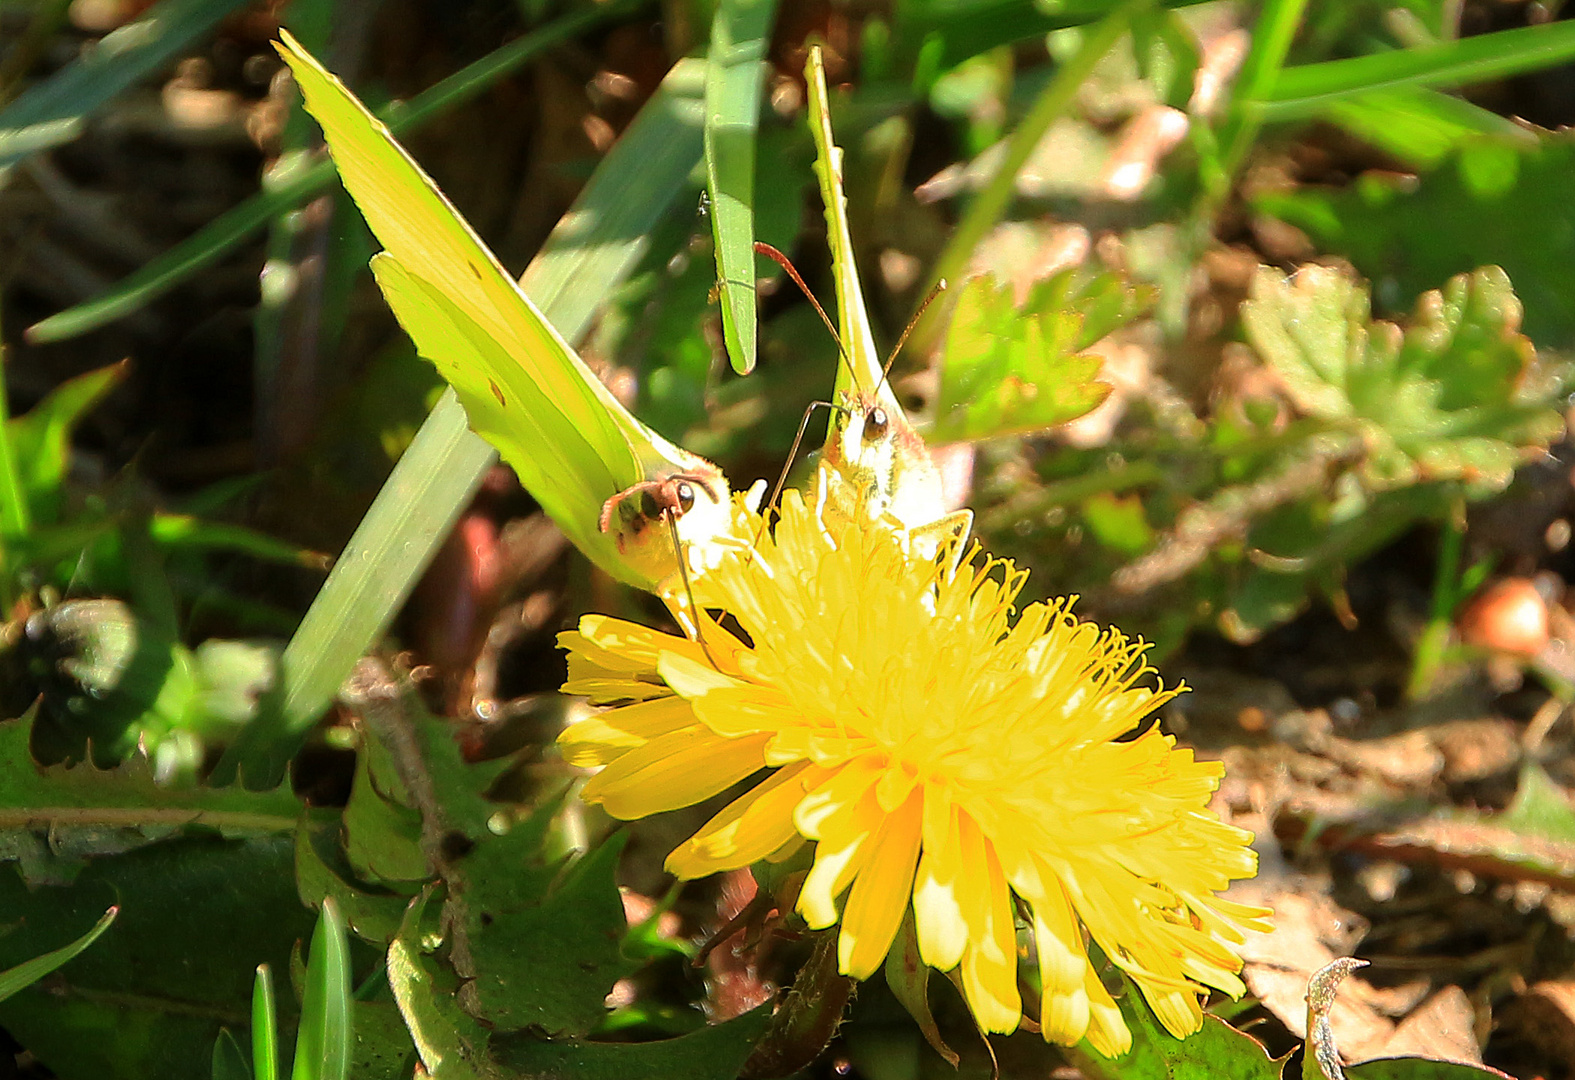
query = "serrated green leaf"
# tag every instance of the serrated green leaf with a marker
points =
(372, 910)
(382, 835)
(1009, 369)
(451, 1043)
(716, 1052)
(1448, 399)
(1216, 1050)
(98, 804)
(542, 940)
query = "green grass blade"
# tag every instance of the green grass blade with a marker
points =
(265, 1027)
(1271, 41)
(53, 112)
(25, 974)
(228, 1061)
(1418, 125)
(1300, 91)
(300, 180)
(996, 198)
(323, 1042)
(590, 252)
(740, 36)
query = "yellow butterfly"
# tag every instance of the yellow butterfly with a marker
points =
(620, 491)
(876, 464)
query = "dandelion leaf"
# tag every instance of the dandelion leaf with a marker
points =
(1009, 368)
(1216, 1050)
(715, 1052)
(539, 941)
(197, 914)
(1456, 396)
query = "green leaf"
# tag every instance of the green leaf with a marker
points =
(1540, 808)
(29, 972)
(599, 241)
(1216, 1050)
(1298, 91)
(322, 1044)
(296, 180)
(51, 816)
(54, 111)
(265, 1027)
(382, 834)
(1421, 1069)
(196, 916)
(735, 73)
(1421, 126)
(1450, 398)
(452, 1043)
(372, 910)
(1009, 369)
(716, 1052)
(861, 370)
(542, 938)
(1503, 204)
(40, 440)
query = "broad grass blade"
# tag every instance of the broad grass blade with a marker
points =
(740, 37)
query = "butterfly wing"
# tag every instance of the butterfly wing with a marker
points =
(524, 389)
(862, 373)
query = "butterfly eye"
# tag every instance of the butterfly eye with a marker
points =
(686, 496)
(875, 424)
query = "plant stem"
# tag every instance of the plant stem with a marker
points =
(1435, 636)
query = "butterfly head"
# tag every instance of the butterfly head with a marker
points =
(882, 461)
(645, 517)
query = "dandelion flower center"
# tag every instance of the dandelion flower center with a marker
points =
(940, 754)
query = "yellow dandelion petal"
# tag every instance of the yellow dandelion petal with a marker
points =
(754, 826)
(880, 893)
(678, 769)
(937, 750)
(1107, 1029)
(1063, 969)
(597, 741)
(989, 963)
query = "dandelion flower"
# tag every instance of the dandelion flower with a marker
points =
(937, 753)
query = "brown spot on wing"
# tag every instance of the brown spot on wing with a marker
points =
(474, 269)
(497, 392)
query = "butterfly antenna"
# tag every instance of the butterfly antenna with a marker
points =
(929, 298)
(683, 573)
(763, 248)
